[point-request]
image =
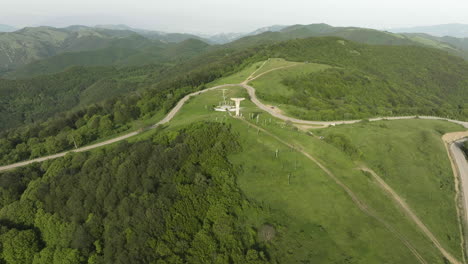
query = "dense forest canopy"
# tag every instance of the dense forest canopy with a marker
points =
(158, 89)
(170, 199)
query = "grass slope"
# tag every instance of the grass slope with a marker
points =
(323, 225)
(366, 81)
(410, 156)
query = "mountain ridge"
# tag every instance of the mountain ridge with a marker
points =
(453, 30)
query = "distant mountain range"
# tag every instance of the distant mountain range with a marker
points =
(155, 35)
(224, 38)
(452, 30)
(7, 28)
(221, 38)
(41, 50)
(454, 46)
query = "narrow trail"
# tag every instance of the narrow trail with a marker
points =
(359, 203)
(409, 212)
(251, 78)
(254, 72)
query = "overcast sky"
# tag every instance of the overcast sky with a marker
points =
(213, 16)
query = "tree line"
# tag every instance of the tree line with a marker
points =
(170, 199)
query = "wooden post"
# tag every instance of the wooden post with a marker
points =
(276, 153)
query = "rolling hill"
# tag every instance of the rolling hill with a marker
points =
(156, 35)
(130, 51)
(34, 51)
(460, 43)
(210, 188)
(452, 30)
(366, 81)
(29, 46)
(361, 35)
(355, 81)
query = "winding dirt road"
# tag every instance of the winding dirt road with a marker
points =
(462, 166)
(254, 99)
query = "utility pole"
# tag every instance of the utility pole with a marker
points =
(74, 142)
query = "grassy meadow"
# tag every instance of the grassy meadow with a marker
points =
(315, 218)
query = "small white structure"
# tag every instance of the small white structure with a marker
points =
(237, 100)
(225, 106)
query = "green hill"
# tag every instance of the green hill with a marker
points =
(36, 99)
(366, 81)
(156, 35)
(355, 81)
(460, 43)
(130, 51)
(31, 45)
(360, 35)
(209, 188)
(453, 30)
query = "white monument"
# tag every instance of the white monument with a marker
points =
(237, 100)
(225, 106)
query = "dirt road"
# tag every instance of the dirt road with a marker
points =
(278, 114)
(254, 99)
(359, 203)
(409, 212)
(166, 119)
(452, 142)
(462, 166)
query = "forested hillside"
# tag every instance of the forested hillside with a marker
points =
(360, 35)
(34, 100)
(131, 51)
(42, 50)
(158, 91)
(171, 199)
(368, 81)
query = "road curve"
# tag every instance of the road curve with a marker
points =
(254, 99)
(461, 165)
(166, 119)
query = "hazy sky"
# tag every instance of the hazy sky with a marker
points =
(212, 16)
